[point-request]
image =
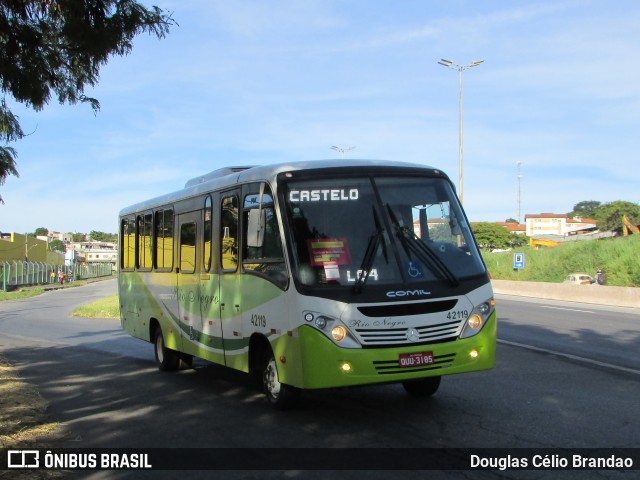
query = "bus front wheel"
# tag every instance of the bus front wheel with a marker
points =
(280, 395)
(168, 360)
(422, 388)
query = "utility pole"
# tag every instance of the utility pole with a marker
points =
(519, 191)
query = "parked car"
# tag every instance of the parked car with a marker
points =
(579, 279)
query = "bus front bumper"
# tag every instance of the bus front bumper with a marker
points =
(325, 365)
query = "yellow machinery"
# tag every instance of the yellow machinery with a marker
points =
(542, 242)
(628, 226)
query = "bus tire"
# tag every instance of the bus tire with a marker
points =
(167, 360)
(278, 394)
(186, 361)
(422, 388)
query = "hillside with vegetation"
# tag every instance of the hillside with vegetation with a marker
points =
(619, 257)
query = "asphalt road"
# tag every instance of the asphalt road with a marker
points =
(595, 334)
(104, 387)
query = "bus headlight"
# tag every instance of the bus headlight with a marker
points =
(338, 333)
(478, 318)
(475, 321)
(332, 328)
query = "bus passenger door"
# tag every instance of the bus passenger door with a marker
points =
(230, 282)
(210, 345)
(188, 272)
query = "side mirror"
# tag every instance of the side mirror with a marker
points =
(255, 228)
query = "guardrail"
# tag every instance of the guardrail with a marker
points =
(597, 294)
(16, 273)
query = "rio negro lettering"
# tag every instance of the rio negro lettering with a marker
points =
(324, 195)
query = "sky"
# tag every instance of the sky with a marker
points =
(250, 82)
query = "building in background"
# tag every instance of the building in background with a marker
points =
(551, 225)
(517, 228)
(95, 252)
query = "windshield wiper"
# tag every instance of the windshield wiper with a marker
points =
(412, 243)
(370, 254)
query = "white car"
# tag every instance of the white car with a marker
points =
(579, 279)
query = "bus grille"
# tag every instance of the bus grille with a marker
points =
(384, 337)
(389, 367)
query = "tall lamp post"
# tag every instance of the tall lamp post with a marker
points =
(342, 150)
(460, 68)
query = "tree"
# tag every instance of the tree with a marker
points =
(56, 48)
(491, 236)
(41, 232)
(103, 237)
(587, 208)
(609, 215)
(57, 246)
(511, 220)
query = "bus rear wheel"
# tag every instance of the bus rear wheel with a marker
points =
(167, 360)
(278, 394)
(422, 388)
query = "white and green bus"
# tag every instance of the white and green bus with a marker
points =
(311, 275)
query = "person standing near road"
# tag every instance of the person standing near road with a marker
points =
(600, 277)
(61, 277)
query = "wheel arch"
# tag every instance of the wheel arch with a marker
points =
(154, 324)
(259, 349)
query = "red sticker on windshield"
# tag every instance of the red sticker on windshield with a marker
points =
(333, 251)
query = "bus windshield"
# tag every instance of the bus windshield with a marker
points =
(388, 230)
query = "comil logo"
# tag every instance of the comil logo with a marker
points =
(23, 459)
(406, 293)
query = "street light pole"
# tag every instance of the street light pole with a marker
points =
(460, 68)
(342, 150)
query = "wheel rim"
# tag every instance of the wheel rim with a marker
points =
(159, 349)
(271, 381)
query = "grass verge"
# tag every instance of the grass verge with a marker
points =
(103, 308)
(618, 257)
(21, 293)
(23, 420)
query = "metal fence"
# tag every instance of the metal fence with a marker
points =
(16, 273)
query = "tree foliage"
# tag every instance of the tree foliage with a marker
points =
(57, 246)
(586, 208)
(609, 215)
(41, 232)
(491, 236)
(103, 237)
(55, 48)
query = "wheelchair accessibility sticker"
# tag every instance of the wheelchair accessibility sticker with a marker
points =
(414, 269)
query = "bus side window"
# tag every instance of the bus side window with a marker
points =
(144, 242)
(266, 257)
(127, 244)
(208, 222)
(163, 240)
(229, 234)
(188, 248)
